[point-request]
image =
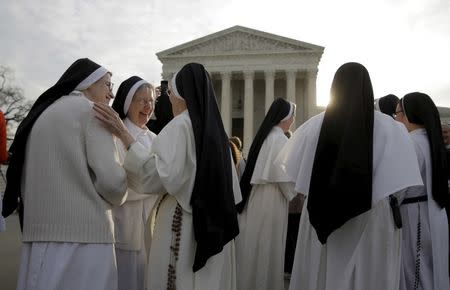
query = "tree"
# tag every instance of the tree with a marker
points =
(13, 103)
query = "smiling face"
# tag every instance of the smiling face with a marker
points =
(142, 105)
(101, 90)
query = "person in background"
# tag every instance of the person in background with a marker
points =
(263, 211)
(3, 150)
(387, 104)
(242, 161)
(353, 164)
(425, 225)
(236, 154)
(163, 110)
(3, 159)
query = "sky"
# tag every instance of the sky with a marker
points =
(404, 44)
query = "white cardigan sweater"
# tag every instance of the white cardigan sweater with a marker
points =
(71, 176)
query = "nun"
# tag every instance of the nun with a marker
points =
(264, 208)
(387, 104)
(134, 103)
(353, 164)
(64, 177)
(190, 160)
(425, 225)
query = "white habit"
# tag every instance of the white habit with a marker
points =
(171, 168)
(433, 255)
(263, 223)
(365, 253)
(130, 220)
(70, 181)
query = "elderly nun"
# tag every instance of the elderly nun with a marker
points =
(134, 102)
(64, 178)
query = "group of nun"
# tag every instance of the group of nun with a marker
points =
(105, 203)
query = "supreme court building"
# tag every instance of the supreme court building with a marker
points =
(249, 69)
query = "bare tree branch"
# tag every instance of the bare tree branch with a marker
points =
(13, 103)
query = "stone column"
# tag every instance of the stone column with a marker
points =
(311, 78)
(290, 85)
(270, 88)
(248, 111)
(167, 76)
(226, 101)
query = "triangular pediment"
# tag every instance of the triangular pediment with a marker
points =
(239, 40)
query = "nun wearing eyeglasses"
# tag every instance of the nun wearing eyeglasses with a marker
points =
(353, 164)
(425, 230)
(190, 160)
(387, 104)
(64, 178)
(266, 193)
(134, 103)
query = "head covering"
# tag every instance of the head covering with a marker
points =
(80, 75)
(162, 112)
(387, 104)
(125, 95)
(341, 180)
(420, 109)
(278, 111)
(213, 207)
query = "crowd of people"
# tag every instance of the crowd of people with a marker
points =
(111, 197)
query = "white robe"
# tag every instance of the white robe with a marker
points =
(68, 266)
(130, 220)
(434, 228)
(261, 243)
(365, 253)
(171, 168)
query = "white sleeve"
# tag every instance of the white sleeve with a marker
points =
(297, 155)
(170, 166)
(141, 170)
(107, 174)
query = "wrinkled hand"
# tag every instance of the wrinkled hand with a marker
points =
(112, 122)
(110, 119)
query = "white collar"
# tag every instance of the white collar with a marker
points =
(418, 131)
(277, 128)
(134, 129)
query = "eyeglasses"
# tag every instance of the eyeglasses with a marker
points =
(109, 85)
(145, 101)
(396, 113)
